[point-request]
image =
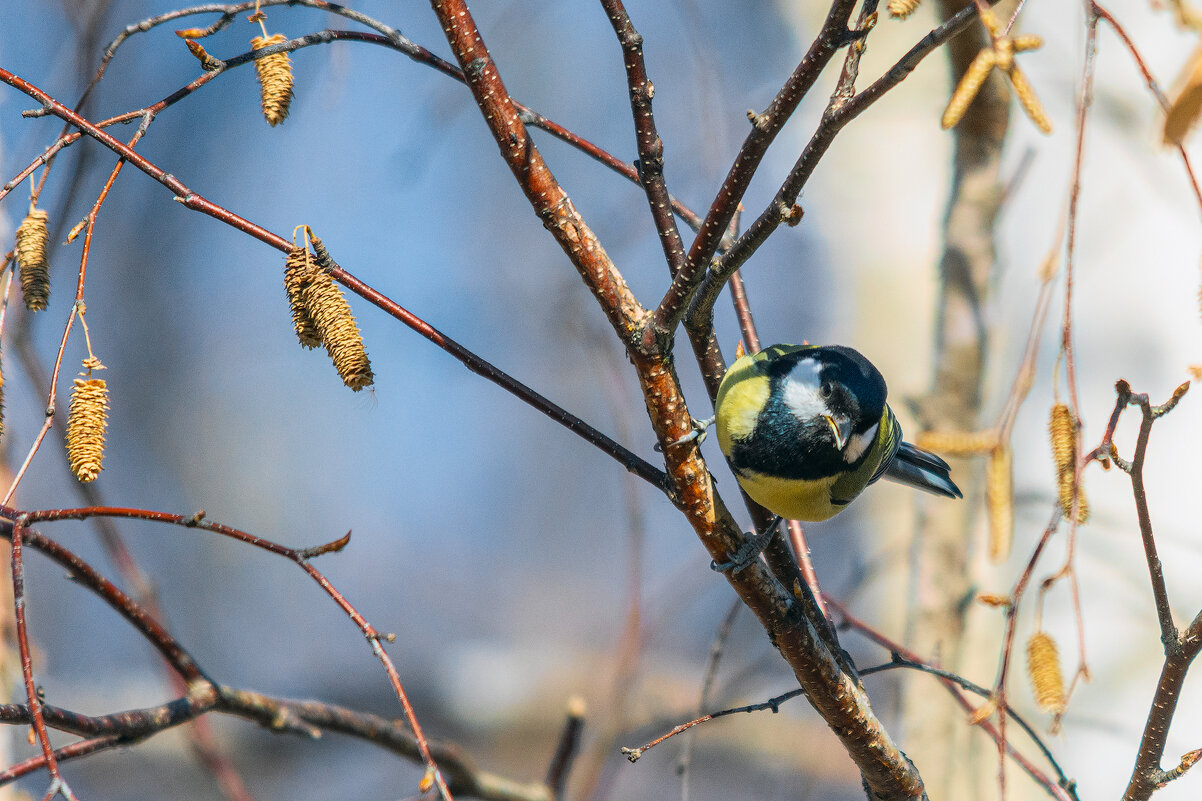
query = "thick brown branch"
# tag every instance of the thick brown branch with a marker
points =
(304, 718)
(534, 177)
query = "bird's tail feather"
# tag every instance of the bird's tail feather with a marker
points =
(923, 470)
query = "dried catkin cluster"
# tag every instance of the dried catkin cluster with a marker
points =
(999, 502)
(1062, 428)
(299, 269)
(86, 426)
(321, 315)
(1043, 669)
(31, 258)
(275, 79)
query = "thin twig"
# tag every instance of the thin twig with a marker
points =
(474, 363)
(781, 208)
(1062, 787)
(764, 128)
(650, 146)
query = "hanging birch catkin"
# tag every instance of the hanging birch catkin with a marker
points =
(86, 424)
(1043, 669)
(275, 79)
(299, 269)
(32, 261)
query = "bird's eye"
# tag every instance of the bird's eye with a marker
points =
(825, 391)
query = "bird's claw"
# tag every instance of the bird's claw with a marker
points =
(698, 434)
(751, 550)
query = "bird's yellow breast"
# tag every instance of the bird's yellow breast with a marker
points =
(741, 396)
(792, 499)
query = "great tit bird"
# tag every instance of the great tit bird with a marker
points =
(806, 429)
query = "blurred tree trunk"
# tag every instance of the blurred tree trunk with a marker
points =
(955, 759)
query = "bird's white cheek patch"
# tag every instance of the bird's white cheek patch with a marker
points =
(800, 391)
(858, 443)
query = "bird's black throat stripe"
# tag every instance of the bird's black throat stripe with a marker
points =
(783, 446)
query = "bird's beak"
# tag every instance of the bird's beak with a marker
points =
(841, 429)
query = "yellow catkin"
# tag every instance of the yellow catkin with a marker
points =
(999, 502)
(902, 8)
(993, 599)
(1063, 435)
(299, 269)
(1066, 498)
(31, 258)
(275, 79)
(86, 426)
(970, 84)
(1029, 100)
(957, 443)
(1062, 431)
(1043, 670)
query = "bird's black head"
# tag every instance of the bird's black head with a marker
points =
(833, 386)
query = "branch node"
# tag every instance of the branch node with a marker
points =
(758, 121)
(476, 67)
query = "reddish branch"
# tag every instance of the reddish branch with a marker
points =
(204, 694)
(1062, 787)
(474, 363)
(300, 556)
(387, 36)
(303, 718)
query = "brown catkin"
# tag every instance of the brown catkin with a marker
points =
(275, 79)
(339, 333)
(1043, 670)
(299, 269)
(85, 428)
(999, 502)
(902, 8)
(31, 258)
